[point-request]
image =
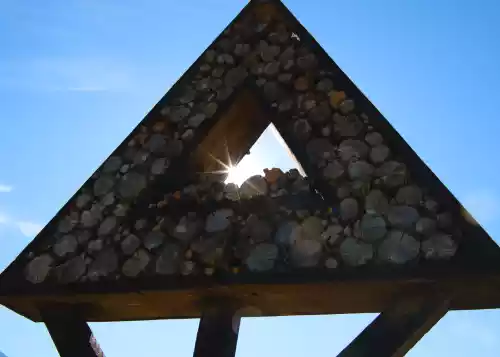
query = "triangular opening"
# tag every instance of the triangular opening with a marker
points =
(269, 151)
(245, 151)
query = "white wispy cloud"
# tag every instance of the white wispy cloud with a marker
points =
(483, 205)
(3, 219)
(5, 188)
(28, 229)
(86, 89)
(55, 74)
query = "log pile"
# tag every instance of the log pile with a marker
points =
(372, 211)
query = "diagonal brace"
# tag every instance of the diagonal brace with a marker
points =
(218, 331)
(395, 331)
(71, 335)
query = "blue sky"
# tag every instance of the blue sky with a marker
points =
(77, 75)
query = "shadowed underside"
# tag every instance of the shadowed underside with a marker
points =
(154, 233)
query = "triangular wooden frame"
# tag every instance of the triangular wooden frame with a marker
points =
(470, 274)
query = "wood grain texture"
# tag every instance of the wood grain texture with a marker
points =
(264, 296)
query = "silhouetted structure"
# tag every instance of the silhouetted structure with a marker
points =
(155, 233)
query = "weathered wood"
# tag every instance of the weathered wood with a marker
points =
(71, 334)
(218, 332)
(234, 134)
(365, 291)
(395, 331)
(473, 274)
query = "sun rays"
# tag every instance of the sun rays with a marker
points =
(237, 173)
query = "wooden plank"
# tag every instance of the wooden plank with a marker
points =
(395, 331)
(297, 294)
(218, 332)
(71, 334)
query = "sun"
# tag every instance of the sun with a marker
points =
(236, 175)
(246, 167)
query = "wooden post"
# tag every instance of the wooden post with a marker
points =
(218, 332)
(395, 331)
(71, 335)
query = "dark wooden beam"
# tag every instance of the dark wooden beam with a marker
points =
(71, 334)
(340, 291)
(218, 332)
(233, 135)
(395, 331)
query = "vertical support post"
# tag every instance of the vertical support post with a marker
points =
(218, 332)
(71, 335)
(395, 331)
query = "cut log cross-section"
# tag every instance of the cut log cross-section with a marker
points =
(154, 230)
